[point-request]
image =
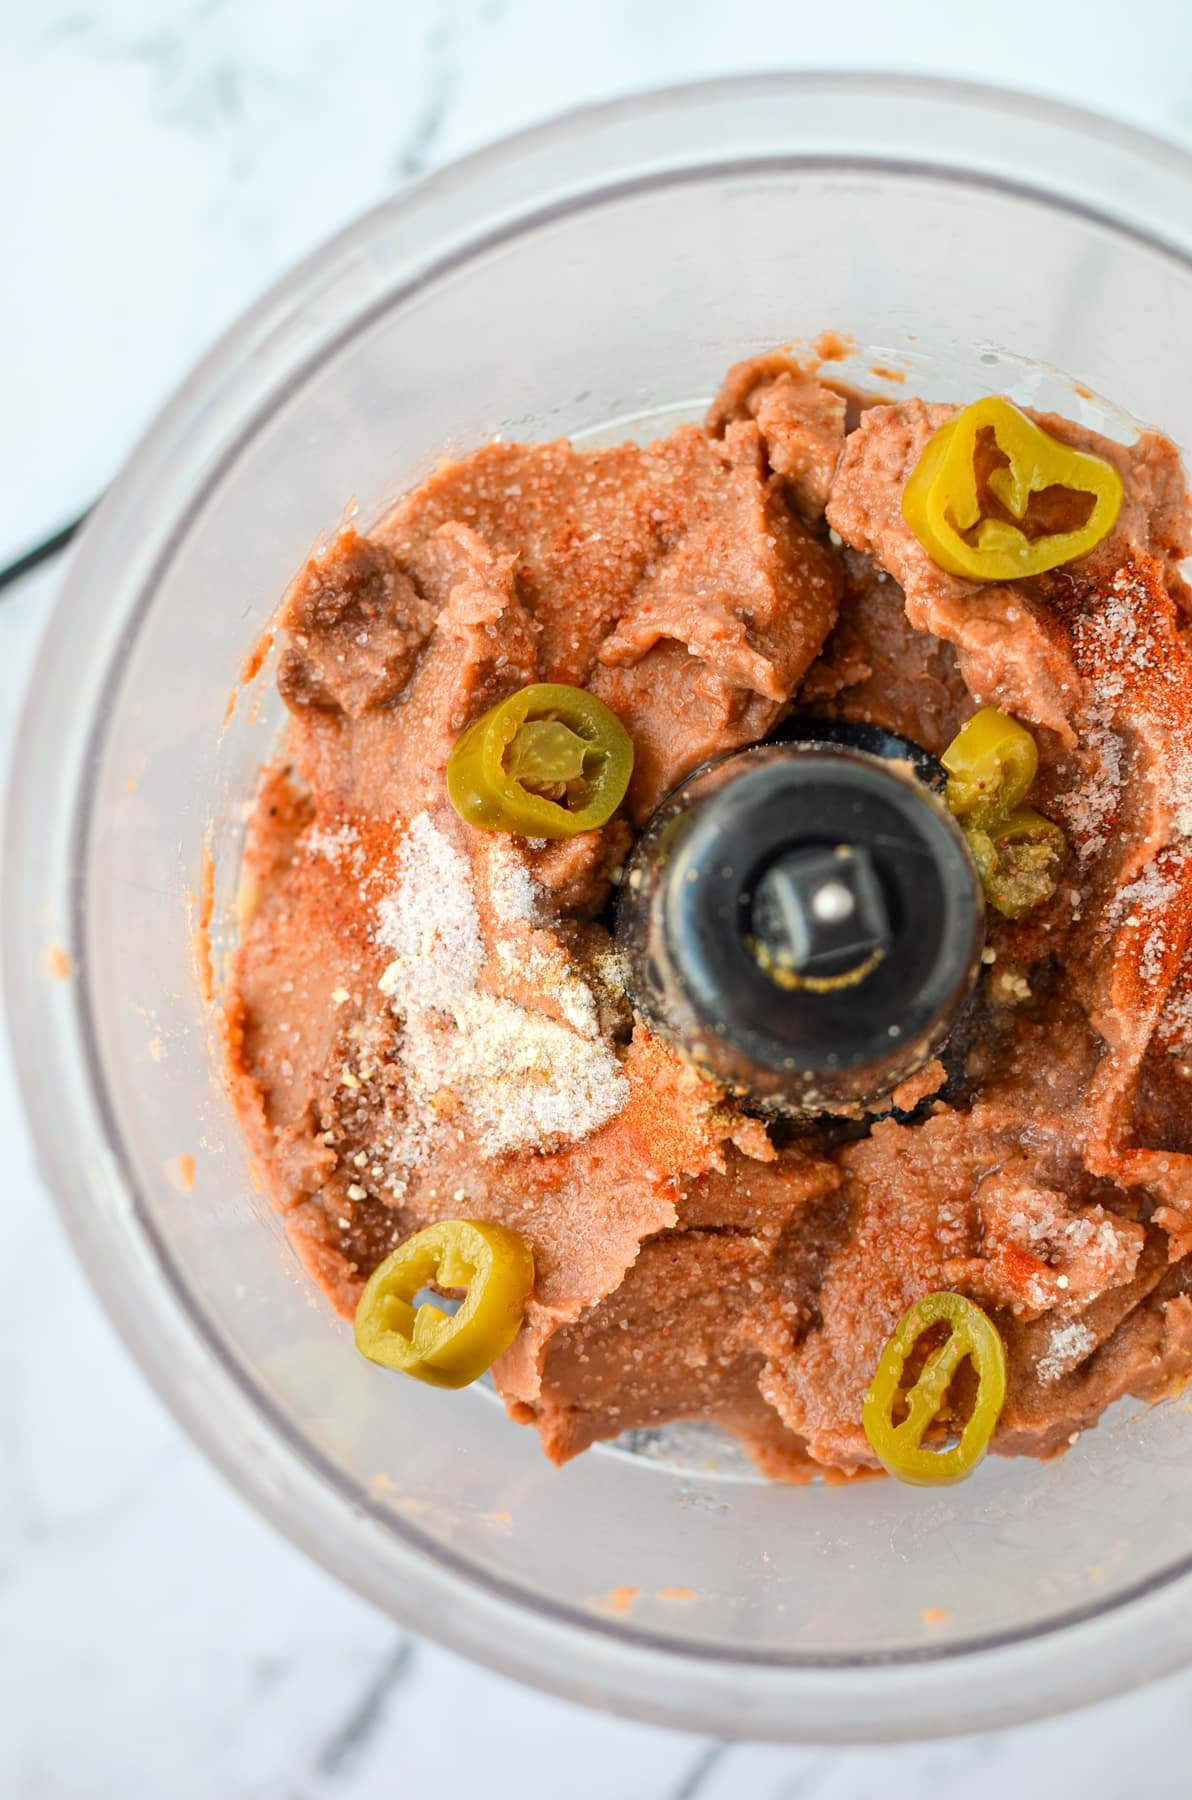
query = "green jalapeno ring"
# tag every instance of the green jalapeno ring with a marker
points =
(1020, 859)
(943, 508)
(587, 754)
(992, 763)
(899, 1448)
(495, 1266)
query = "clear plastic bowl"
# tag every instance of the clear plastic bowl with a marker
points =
(601, 270)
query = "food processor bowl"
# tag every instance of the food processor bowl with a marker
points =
(594, 278)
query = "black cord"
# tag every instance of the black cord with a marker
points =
(40, 553)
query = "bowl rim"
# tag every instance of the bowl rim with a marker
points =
(573, 1651)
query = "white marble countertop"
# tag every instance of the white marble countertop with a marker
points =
(160, 163)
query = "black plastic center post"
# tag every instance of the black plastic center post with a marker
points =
(805, 921)
(820, 916)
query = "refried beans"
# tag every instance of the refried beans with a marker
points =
(426, 1021)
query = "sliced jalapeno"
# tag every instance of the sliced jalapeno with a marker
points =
(496, 1267)
(900, 1447)
(1020, 860)
(968, 498)
(550, 761)
(992, 763)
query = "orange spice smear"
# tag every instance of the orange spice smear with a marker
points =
(1121, 630)
(1123, 636)
(682, 1139)
(202, 933)
(619, 1601)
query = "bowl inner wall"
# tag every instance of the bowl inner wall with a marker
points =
(617, 316)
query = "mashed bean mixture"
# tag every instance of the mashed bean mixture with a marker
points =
(425, 1021)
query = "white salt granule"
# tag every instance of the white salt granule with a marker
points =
(517, 902)
(1146, 903)
(515, 895)
(1150, 892)
(431, 922)
(1176, 1021)
(524, 1080)
(335, 846)
(1089, 806)
(1120, 642)
(1067, 1345)
(1179, 794)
